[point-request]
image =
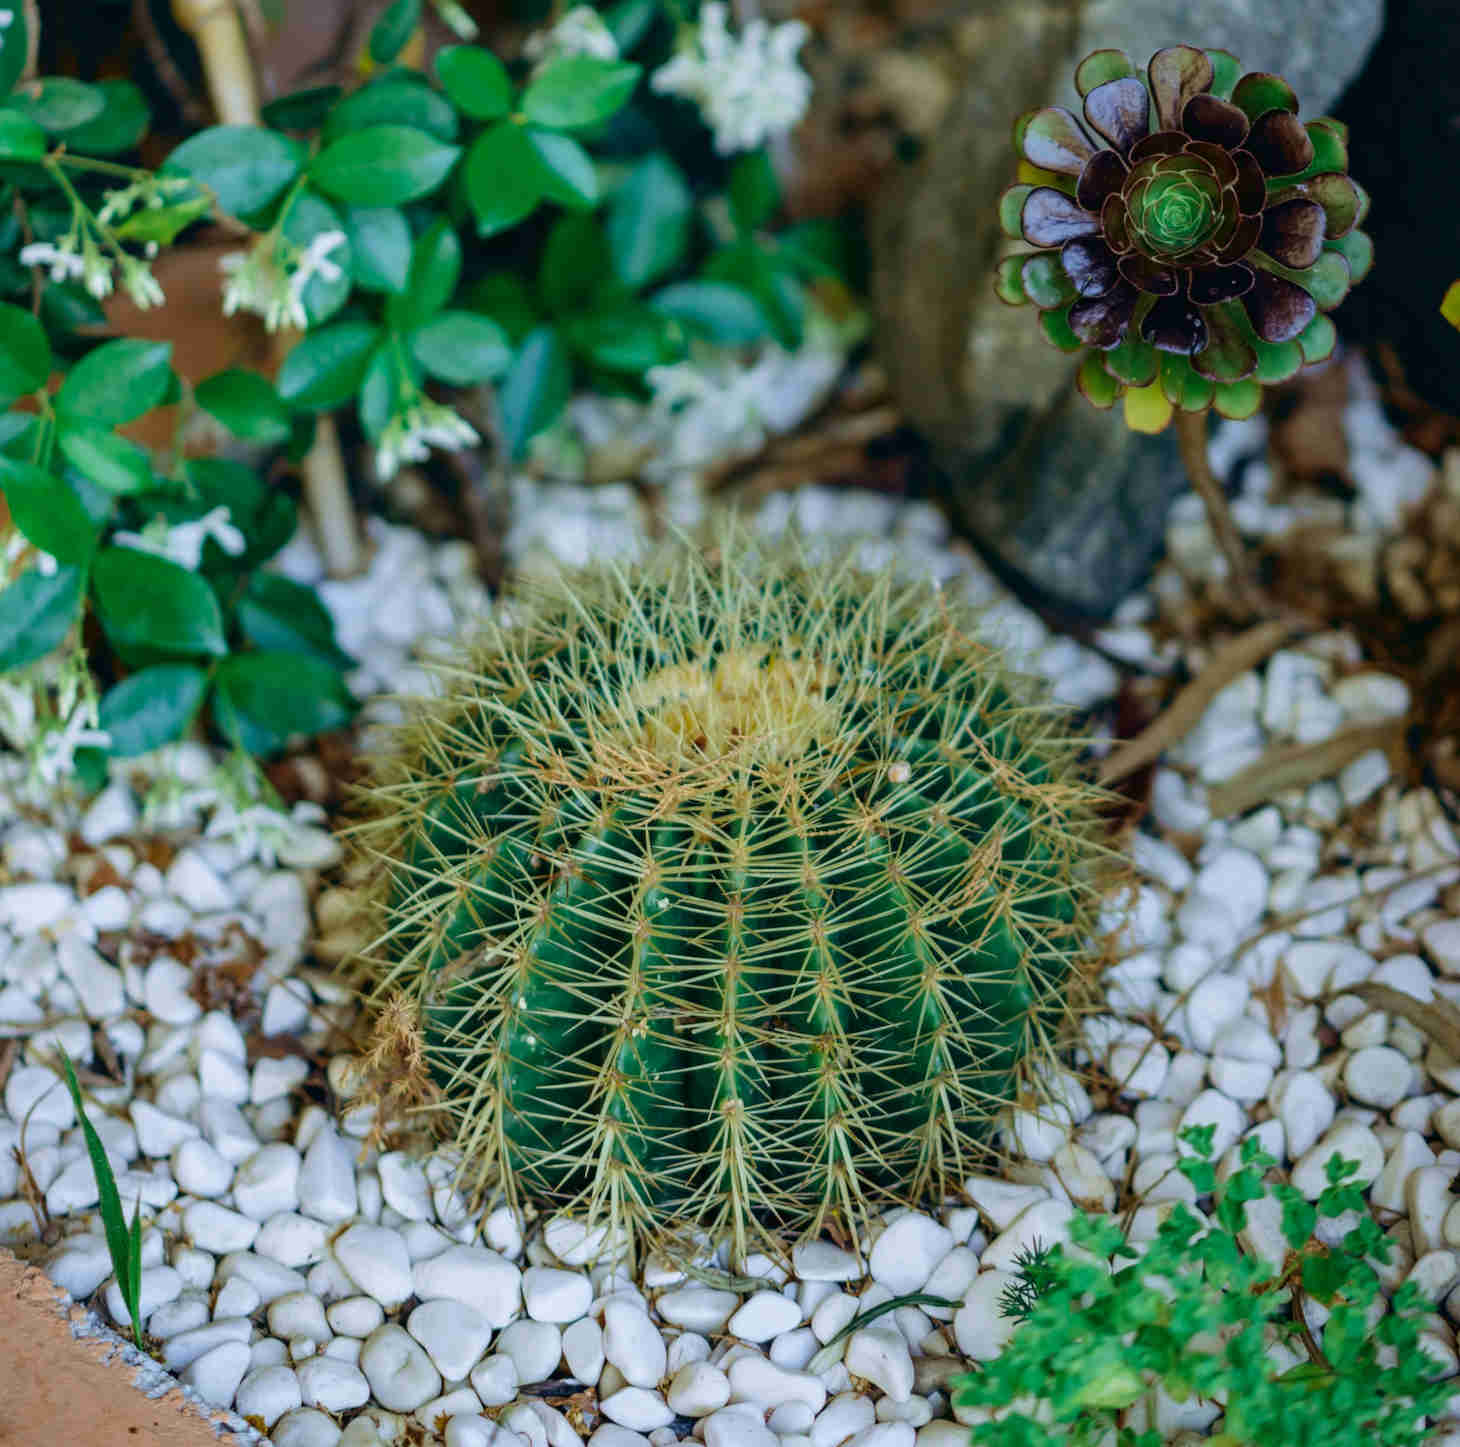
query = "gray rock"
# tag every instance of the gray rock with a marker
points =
(1062, 496)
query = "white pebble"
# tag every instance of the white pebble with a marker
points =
(200, 1170)
(335, 1385)
(535, 1347)
(305, 1427)
(267, 1393)
(494, 1379)
(454, 1334)
(556, 1296)
(326, 1181)
(472, 1274)
(216, 1374)
(215, 1228)
(355, 1316)
(165, 992)
(583, 1349)
(764, 1315)
(399, 1372)
(267, 1182)
(882, 1357)
(267, 1276)
(637, 1408)
(1377, 1076)
(980, 1328)
(754, 1379)
(298, 1314)
(698, 1389)
(633, 1344)
(904, 1255)
(376, 1260)
(1350, 1140)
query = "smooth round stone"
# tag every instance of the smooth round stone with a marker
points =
(158, 1132)
(274, 1079)
(200, 1170)
(376, 1260)
(611, 1435)
(460, 1402)
(844, 1416)
(795, 1349)
(882, 1357)
(298, 1314)
(400, 1373)
(269, 1351)
(764, 1315)
(355, 1316)
(345, 1349)
(222, 1076)
(38, 1096)
(1378, 1076)
(697, 1389)
(536, 1348)
(304, 1427)
(476, 1431)
(267, 1393)
(790, 1418)
(697, 1308)
(188, 1312)
(583, 1349)
(755, 1379)
(1352, 1141)
(165, 985)
(904, 1255)
(266, 1276)
(404, 1186)
(979, 1327)
(216, 1228)
(292, 1240)
(633, 1344)
(267, 1183)
(737, 1427)
(187, 1346)
(885, 1434)
(472, 1274)
(824, 1261)
(832, 1315)
(637, 1408)
(326, 1183)
(215, 1375)
(454, 1334)
(495, 1380)
(237, 1298)
(556, 1296)
(335, 1385)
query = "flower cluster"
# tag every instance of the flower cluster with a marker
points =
(182, 543)
(748, 89)
(582, 31)
(269, 278)
(410, 435)
(77, 257)
(1191, 232)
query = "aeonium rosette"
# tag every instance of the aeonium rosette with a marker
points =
(1192, 232)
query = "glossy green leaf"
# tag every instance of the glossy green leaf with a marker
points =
(648, 221)
(152, 707)
(536, 388)
(575, 263)
(36, 613)
(25, 354)
(568, 175)
(20, 138)
(462, 348)
(394, 100)
(1133, 361)
(309, 217)
(326, 367)
(760, 272)
(58, 103)
(247, 404)
(435, 270)
(1044, 282)
(1258, 92)
(109, 460)
(153, 605)
(389, 34)
(164, 224)
(1277, 361)
(302, 110)
(1009, 281)
(1011, 210)
(504, 180)
(1056, 327)
(118, 381)
(1226, 72)
(1096, 385)
(262, 700)
(385, 165)
(503, 296)
(120, 126)
(628, 337)
(246, 167)
(1318, 339)
(718, 310)
(14, 48)
(282, 616)
(1237, 400)
(47, 511)
(755, 194)
(1101, 66)
(1184, 388)
(1357, 248)
(476, 81)
(380, 243)
(577, 91)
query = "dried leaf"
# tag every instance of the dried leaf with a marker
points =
(1295, 766)
(1438, 1018)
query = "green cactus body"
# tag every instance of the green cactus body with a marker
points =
(735, 897)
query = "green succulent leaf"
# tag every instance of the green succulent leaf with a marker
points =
(1277, 361)
(1096, 384)
(1044, 281)
(1100, 67)
(1183, 386)
(1009, 281)
(1357, 249)
(1056, 325)
(1011, 211)
(1134, 362)
(1237, 400)
(1226, 72)
(1318, 339)
(1259, 92)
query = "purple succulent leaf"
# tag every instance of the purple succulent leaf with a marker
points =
(1050, 218)
(1101, 321)
(1280, 143)
(1279, 309)
(1212, 284)
(1244, 238)
(1224, 168)
(1120, 110)
(1115, 224)
(1175, 324)
(1208, 119)
(1090, 265)
(1293, 232)
(1158, 143)
(1176, 74)
(1104, 176)
(1150, 276)
(1055, 141)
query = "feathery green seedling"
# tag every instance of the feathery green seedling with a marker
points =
(1196, 1315)
(123, 1242)
(737, 893)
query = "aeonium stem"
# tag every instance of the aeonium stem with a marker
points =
(1191, 433)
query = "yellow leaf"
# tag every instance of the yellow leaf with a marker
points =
(1038, 176)
(1450, 307)
(1147, 409)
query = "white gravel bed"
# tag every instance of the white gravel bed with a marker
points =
(333, 1294)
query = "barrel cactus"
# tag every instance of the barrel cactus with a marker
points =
(733, 892)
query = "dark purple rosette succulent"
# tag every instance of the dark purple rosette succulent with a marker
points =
(1191, 232)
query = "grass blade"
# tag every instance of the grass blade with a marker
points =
(124, 1248)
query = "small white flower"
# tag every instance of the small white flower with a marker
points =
(582, 31)
(183, 542)
(7, 19)
(141, 285)
(409, 436)
(747, 89)
(64, 263)
(17, 714)
(259, 282)
(53, 754)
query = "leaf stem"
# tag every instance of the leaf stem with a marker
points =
(1191, 433)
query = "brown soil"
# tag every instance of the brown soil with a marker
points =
(57, 1390)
